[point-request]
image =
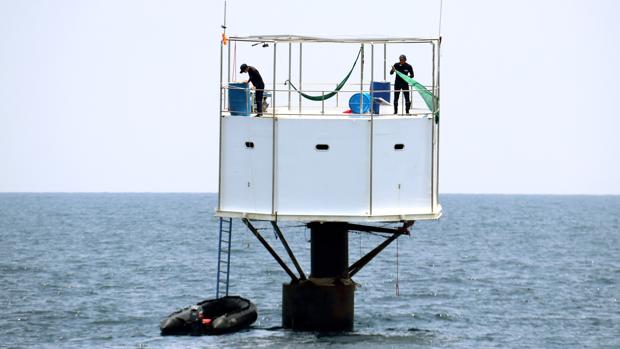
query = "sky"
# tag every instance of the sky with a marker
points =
(122, 95)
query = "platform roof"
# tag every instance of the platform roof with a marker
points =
(334, 39)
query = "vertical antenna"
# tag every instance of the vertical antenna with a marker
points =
(440, 15)
(224, 39)
(224, 26)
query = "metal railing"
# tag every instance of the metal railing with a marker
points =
(312, 109)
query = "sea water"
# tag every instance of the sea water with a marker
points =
(496, 271)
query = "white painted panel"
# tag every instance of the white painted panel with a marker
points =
(246, 172)
(402, 178)
(330, 182)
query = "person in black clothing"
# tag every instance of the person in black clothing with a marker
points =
(400, 84)
(259, 86)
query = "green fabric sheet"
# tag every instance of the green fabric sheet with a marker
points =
(431, 101)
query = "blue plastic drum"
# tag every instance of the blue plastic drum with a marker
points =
(354, 103)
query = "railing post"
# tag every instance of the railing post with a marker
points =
(372, 74)
(322, 102)
(226, 101)
(384, 62)
(248, 102)
(300, 70)
(362, 80)
(290, 45)
(273, 91)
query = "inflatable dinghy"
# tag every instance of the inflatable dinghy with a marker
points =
(213, 316)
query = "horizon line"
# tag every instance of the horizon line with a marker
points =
(215, 193)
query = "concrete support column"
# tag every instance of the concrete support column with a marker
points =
(325, 301)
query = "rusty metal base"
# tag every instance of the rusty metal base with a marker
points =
(318, 304)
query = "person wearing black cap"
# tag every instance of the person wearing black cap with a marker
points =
(259, 86)
(400, 84)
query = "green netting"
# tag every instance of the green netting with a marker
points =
(431, 101)
(330, 94)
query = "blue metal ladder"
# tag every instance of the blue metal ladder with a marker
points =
(223, 257)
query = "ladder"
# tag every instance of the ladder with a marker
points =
(223, 257)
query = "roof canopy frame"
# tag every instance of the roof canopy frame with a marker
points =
(316, 39)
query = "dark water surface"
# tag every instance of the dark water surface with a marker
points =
(101, 270)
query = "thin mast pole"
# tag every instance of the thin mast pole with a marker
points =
(434, 134)
(434, 74)
(436, 117)
(362, 80)
(384, 62)
(228, 73)
(224, 16)
(372, 74)
(273, 135)
(372, 121)
(228, 82)
(290, 45)
(273, 93)
(219, 182)
(221, 75)
(300, 69)
(440, 15)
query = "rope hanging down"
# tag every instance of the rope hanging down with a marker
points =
(397, 280)
(333, 93)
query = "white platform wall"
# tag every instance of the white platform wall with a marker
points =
(333, 184)
(402, 178)
(245, 173)
(335, 181)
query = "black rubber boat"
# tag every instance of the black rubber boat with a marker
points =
(212, 316)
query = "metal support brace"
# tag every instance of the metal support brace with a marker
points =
(269, 249)
(404, 230)
(288, 250)
(357, 266)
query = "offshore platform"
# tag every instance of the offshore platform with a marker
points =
(334, 166)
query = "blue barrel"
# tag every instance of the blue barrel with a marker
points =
(379, 89)
(354, 103)
(239, 99)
